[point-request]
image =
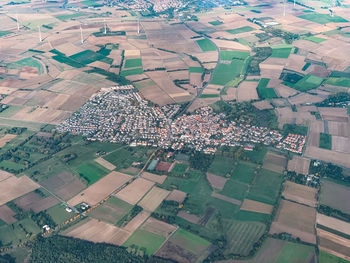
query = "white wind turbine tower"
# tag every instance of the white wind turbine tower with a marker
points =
(104, 20)
(40, 38)
(81, 35)
(284, 7)
(17, 22)
(138, 25)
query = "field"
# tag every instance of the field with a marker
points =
(325, 141)
(153, 199)
(184, 246)
(6, 138)
(133, 63)
(131, 72)
(264, 92)
(299, 165)
(275, 162)
(224, 73)
(341, 81)
(323, 18)
(266, 187)
(335, 195)
(101, 189)
(221, 166)
(206, 45)
(27, 62)
(91, 172)
(240, 30)
(111, 211)
(281, 52)
(135, 191)
(215, 23)
(229, 55)
(300, 193)
(97, 231)
(325, 257)
(316, 39)
(297, 220)
(59, 214)
(144, 241)
(258, 207)
(14, 187)
(179, 169)
(279, 251)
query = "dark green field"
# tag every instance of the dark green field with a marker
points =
(323, 18)
(325, 141)
(133, 63)
(240, 30)
(224, 73)
(206, 45)
(146, 240)
(263, 91)
(229, 55)
(179, 169)
(130, 72)
(91, 172)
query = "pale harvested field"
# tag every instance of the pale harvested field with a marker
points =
(196, 79)
(333, 223)
(156, 95)
(137, 221)
(69, 49)
(295, 219)
(295, 62)
(281, 89)
(159, 179)
(14, 187)
(231, 94)
(303, 98)
(158, 227)
(57, 102)
(44, 204)
(6, 215)
(28, 72)
(262, 105)
(135, 191)
(4, 175)
(328, 156)
(232, 45)
(6, 90)
(101, 189)
(188, 217)
(341, 144)
(247, 91)
(215, 181)
(334, 114)
(98, 231)
(274, 162)
(42, 115)
(201, 102)
(300, 193)
(177, 196)
(339, 128)
(225, 198)
(132, 53)
(258, 207)
(105, 163)
(299, 165)
(337, 245)
(6, 138)
(153, 199)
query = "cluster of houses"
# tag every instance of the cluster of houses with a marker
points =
(293, 143)
(119, 114)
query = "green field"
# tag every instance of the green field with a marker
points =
(190, 241)
(234, 189)
(280, 251)
(179, 169)
(241, 236)
(66, 60)
(308, 82)
(240, 30)
(225, 73)
(229, 55)
(130, 72)
(263, 91)
(91, 172)
(4, 33)
(27, 62)
(255, 156)
(323, 18)
(112, 211)
(123, 158)
(90, 3)
(215, 23)
(206, 45)
(11, 110)
(266, 187)
(244, 172)
(315, 39)
(325, 141)
(133, 63)
(142, 239)
(88, 56)
(196, 69)
(341, 81)
(59, 214)
(221, 166)
(11, 166)
(334, 194)
(324, 257)
(281, 52)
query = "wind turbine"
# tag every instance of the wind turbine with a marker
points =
(40, 39)
(81, 35)
(138, 25)
(284, 7)
(104, 20)
(17, 22)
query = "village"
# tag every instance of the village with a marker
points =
(120, 115)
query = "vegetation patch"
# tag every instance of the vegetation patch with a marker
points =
(206, 45)
(133, 63)
(323, 18)
(281, 51)
(240, 30)
(229, 55)
(215, 23)
(145, 241)
(325, 141)
(263, 91)
(91, 172)
(179, 169)
(130, 72)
